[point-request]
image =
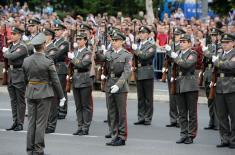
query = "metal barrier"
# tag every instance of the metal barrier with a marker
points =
(158, 63)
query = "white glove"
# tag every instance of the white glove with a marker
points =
(114, 89)
(200, 74)
(103, 48)
(174, 55)
(211, 84)
(62, 102)
(214, 58)
(70, 55)
(75, 45)
(204, 48)
(4, 49)
(103, 77)
(164, 69)
(25, 38)
(134, 46)
(168, 48)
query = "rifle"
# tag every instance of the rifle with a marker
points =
(204, 60)
(166, 60)
(70, 69)
(214, 76)
(5, 69)
(103, 67)
(135, 63)
(174, 72)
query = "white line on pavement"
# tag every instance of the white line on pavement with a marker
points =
(5, 109)
(56, 134)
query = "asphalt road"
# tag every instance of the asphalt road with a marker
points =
(151, 140)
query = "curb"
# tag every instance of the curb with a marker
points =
(159, 95)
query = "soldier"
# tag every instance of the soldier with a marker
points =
(16, 84)
(82, 84)
(33, 27)
(173, 110)
(52, 52)
(118, 65)
(208, 52)
(61, 67)
(225, 91)
(186, 89)
(145, 54)
(41, 79)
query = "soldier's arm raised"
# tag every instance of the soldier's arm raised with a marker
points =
(127, 71)
(20, 51)
(227, 64)
(83, 63)
(188, 62)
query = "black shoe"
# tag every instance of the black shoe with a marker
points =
(119, 142)
(189, 140)
(61, 117)
(105, 121)
(111, 143)
(177, 125)
(139, 122)
(171, 125)
(12, 127)
(223, 145)
(209, 128)
(108, 136)
(181, 140)
(85, 132)
(78, 132)
(147, 123)
(216, 128)
(19, 127)
(232, 146)
(48, 130)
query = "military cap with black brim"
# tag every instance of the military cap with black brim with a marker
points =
(48, 31)
(59, 27)
(34, 22)
(17, 30)
(81, 35)
(185, 37)
(179, 31)
(144, 29)
(84, 27)
(227, 37)
(118, 36)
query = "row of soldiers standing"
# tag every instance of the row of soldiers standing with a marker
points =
(218, 73)
(118, 65)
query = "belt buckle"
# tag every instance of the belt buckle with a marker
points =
(139, 65)
(11, 67)
(112, 75)
(75, 70)
(180, 73)
(209, 66)
(222, 75)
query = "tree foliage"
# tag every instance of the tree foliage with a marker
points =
(222, 7)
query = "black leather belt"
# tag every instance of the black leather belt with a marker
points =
(225, 75)
(15, 66)
(184, 74)
(142, 65)
(80, 71)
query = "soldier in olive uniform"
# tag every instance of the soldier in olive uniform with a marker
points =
(186, 89)
(173, 110)
(61, 67)
(16, 84)
(41, 79)
(144, 54)
(225, 91)
(118, 65)
(52, 52)
(208, 52)
(33, 27)
(82, 84)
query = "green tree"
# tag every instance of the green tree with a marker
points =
(222, 7)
